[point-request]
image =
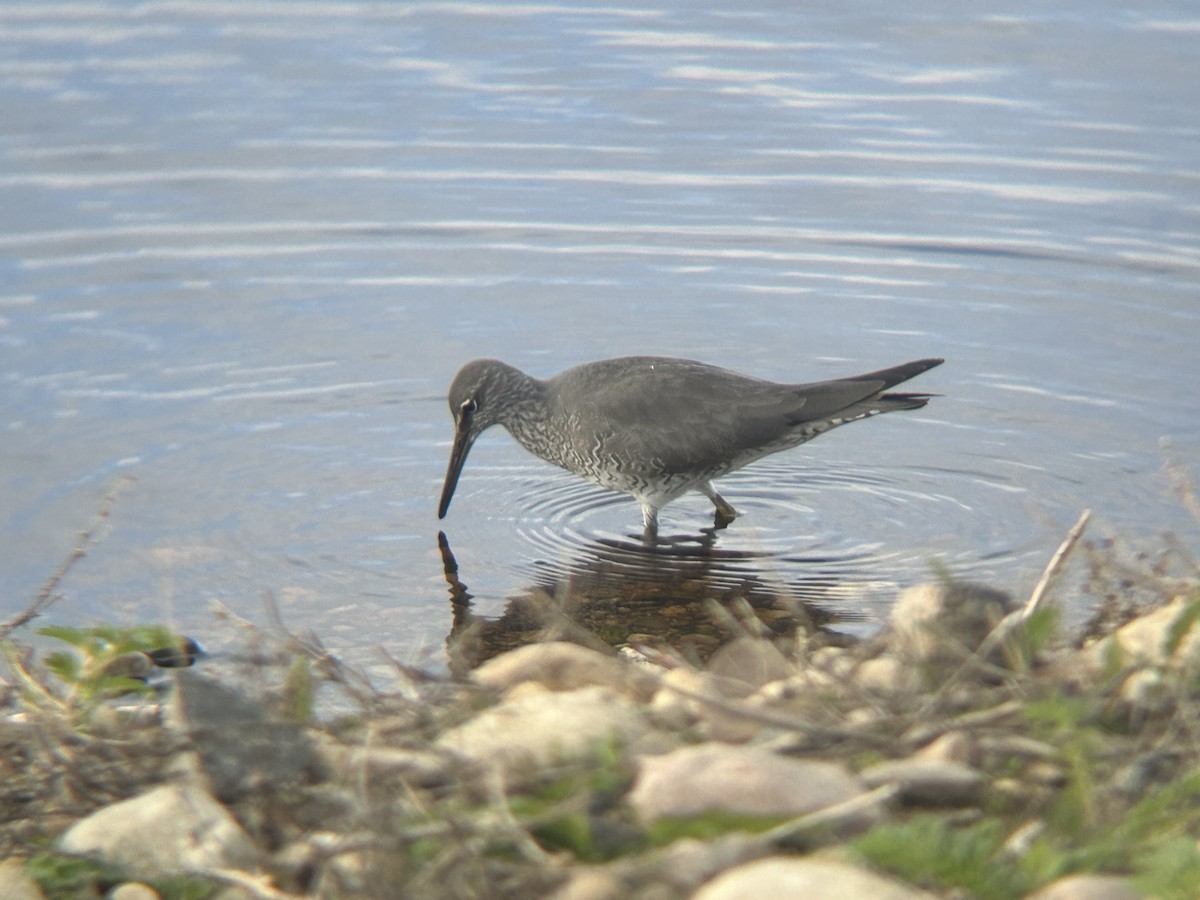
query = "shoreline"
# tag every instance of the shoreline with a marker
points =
(971, 749)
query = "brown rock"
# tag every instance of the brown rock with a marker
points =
(945, 623)
(929, 781)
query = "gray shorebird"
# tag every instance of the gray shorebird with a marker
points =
(657, 427)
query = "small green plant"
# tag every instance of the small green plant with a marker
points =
(299, 690)
(559, 812)
(102, 662)
(1057, 714)
(708, 825)
(1169, 869)
(64, 876)
(929, 851)
(67, 877)
(1182, 626)
(1153, 839)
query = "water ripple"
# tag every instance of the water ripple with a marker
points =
(787, 539)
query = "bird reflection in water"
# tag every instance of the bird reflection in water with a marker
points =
(688, 597)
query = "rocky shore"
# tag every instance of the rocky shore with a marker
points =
(971, 749)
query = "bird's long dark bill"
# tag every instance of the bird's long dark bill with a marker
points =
(458, 456)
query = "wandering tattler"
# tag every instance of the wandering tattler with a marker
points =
(656, 427)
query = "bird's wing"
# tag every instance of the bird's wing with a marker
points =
(684, 416)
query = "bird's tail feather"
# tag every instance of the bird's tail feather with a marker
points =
(890, 402)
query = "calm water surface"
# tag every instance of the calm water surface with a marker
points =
(245, 246)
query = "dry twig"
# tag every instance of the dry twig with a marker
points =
(87, 539)
(977, 660)
(831, 816)
(1055, 565)
(1181, 482)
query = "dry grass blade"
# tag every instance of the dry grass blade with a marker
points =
(1055, 565)
(255, 886)
(1181, 482)
(831, 816)
(776, 720)
(333, 669)
(87, 539)
(1005, 627)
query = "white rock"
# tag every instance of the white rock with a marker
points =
(833, 662)
(688, 862)
(745, 664)
(375, 764)
(953, 746)
(133, 890)
(1144, 640)
(680, 701)
(591, 884)
(1146, 692)
(743, 780)
(674, 702)
(812, 879)
(529, 730)
(563, 666)
(886, 675)
(172, 828)
(16, 884)
(1088, 887)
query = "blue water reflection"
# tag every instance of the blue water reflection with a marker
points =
(244, 247)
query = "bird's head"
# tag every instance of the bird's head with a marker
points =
(481, 395)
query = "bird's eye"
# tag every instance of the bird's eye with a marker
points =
(469, 406)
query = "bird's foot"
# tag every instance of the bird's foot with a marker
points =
(650, 525)
(725, 511)
(723, 518)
